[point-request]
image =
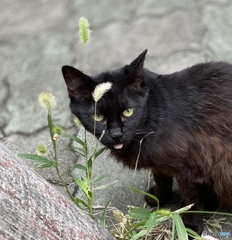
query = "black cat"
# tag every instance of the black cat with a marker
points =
(184, 119)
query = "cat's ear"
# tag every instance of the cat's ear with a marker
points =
(135, 69)
(79, 85)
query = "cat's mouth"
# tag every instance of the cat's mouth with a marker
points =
(118, 146)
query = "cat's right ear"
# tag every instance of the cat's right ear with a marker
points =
(79, 85)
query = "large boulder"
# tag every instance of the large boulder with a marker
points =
(30, 208)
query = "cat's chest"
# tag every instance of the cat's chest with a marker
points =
(144, 156)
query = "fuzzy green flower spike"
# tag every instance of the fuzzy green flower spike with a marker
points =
(100, 90)
(41, 150)
(47, 100)
(84, 31)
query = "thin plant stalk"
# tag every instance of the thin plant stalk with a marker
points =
(95, 112)
(54, 145)
(89, 165)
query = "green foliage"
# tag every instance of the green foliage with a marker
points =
(46, 163)
(86, 184)
(141, 223)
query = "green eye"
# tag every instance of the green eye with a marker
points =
(98, 117)
(128, 112)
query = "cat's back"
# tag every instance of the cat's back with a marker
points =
(203, 80)
(208, 71)
(198, 97)
(218, 72)
(212, 83)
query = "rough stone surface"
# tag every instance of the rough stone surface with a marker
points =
(38, 37)
(32, 209)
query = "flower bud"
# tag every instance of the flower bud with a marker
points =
(57, 129)
(41, 150)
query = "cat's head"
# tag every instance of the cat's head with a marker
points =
(121, 110)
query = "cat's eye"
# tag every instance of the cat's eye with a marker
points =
(128, 112)
(98, 117)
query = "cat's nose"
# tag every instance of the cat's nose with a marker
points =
(116, 133)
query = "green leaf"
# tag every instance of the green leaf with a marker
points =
(135, 228)
(80, 154)
(96, 154)
(34, 157)
(77, 150)
(99, 152)
(105, 185)
(151, 222)
(103, 217)
(193, 234)
(78, 201)
(50, 126)
(84, 186)
(144, 193)
(90, 164)
(100, 178)
(81, 167)
(139, 213)
(90, 194)
(46, 162)
(180, 228)
(162, 219)
(140, 234)
(76, 139)
(47, 165)
(173, 229)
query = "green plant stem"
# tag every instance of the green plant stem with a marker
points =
(95, 112)
(59, 174)
(88, 178)
(84, 57)
(51, 125)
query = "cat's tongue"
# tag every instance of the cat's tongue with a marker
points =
(118, 146)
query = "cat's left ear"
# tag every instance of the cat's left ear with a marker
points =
(79, 85)
(135, 69)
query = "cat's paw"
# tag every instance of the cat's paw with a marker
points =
(162, 195)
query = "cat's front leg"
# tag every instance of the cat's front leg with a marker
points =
(162, 189)
(191, 193)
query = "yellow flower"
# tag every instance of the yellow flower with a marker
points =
(100, 90)
(47, 100)
(84, 31)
